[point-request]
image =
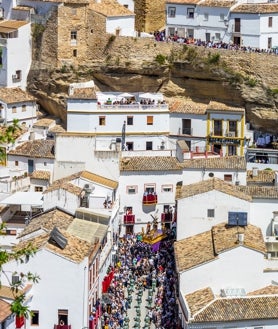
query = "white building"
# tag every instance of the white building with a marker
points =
(147, 186)
(242, 23)
(254, 25)
(230, 169)
(223, 258)
(218, 199)
(208, 129)
(17, 104)
(61, 259)
(31, 156)
(15, 64)
(119, 20)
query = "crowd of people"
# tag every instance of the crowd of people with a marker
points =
(139, 270)
(161, 36)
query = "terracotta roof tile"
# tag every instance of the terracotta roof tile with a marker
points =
(187, 106)
(75, 250)
(41, 174)
(65, 183)
(216, 106)
(238, 309)
(217, 3)
(15, 95)
(44, 123)
(7, 293)
(84, 93)
(230, 162)
(5, 310)
(269, 290)
(152, 163)
(12, 24)
(225, 237)
(110, 8)
(183, 2)
(263, 176)
(193, 251)
(199, 299)
(209, 185)
(36, 149)
(258, 8)
(47, 221)
(99, 179)
(203, 247)
(259, 192)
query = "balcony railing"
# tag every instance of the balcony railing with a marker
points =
(129, 219)
(166, 217)
(132, 106)
(150, 199)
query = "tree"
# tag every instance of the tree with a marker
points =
(18, 306)
(8, 135)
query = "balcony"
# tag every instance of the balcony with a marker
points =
(166, 217)
(19, 321)
(149, 199)
(129, 219)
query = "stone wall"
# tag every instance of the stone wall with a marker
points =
(150, 15)
(72, 18)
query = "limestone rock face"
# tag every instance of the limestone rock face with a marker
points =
(132, 65)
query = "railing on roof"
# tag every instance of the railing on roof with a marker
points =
(132, 107)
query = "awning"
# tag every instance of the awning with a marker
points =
(24, 198)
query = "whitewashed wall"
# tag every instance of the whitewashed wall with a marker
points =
(232, 269)
(125, 24)
(61, 293)
(62, 199)
(192, 218)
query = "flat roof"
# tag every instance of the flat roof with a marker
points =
(24, 198)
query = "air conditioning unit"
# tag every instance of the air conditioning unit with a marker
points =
(231, 134)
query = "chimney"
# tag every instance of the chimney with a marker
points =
(240, 238)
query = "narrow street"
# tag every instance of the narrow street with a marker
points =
(142, 293)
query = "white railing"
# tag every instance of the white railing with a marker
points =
(133, 107)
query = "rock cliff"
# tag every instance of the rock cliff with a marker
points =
(137, 64)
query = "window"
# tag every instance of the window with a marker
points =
(171, 31)
(35, 318)
(101, 121)
(16, 163)
(129, 146)
(172, 12)
(269, 43)
(149, 146)
(217, 36)
(73, 35)
(190, 33)
(74, 53)
(23, 109)
(15, 279)
(206, 16)
(228, 178)
(14, 109)
(17, 75)
(63, 317)
(149, 188)
(217, 127)
(126, 6)
(149, 120)
(232, 126)
(45, 164)
(167, 188)
(73, 38)
(270, 21)
(131, 189)
(232, 150)
(221, 17)
(129, 121)
(190, 12)
(210, 213)
(38, 189)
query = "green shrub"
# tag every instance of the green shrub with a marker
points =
(213, 58)
(191, 54)
(160, 59)
(251, 82)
